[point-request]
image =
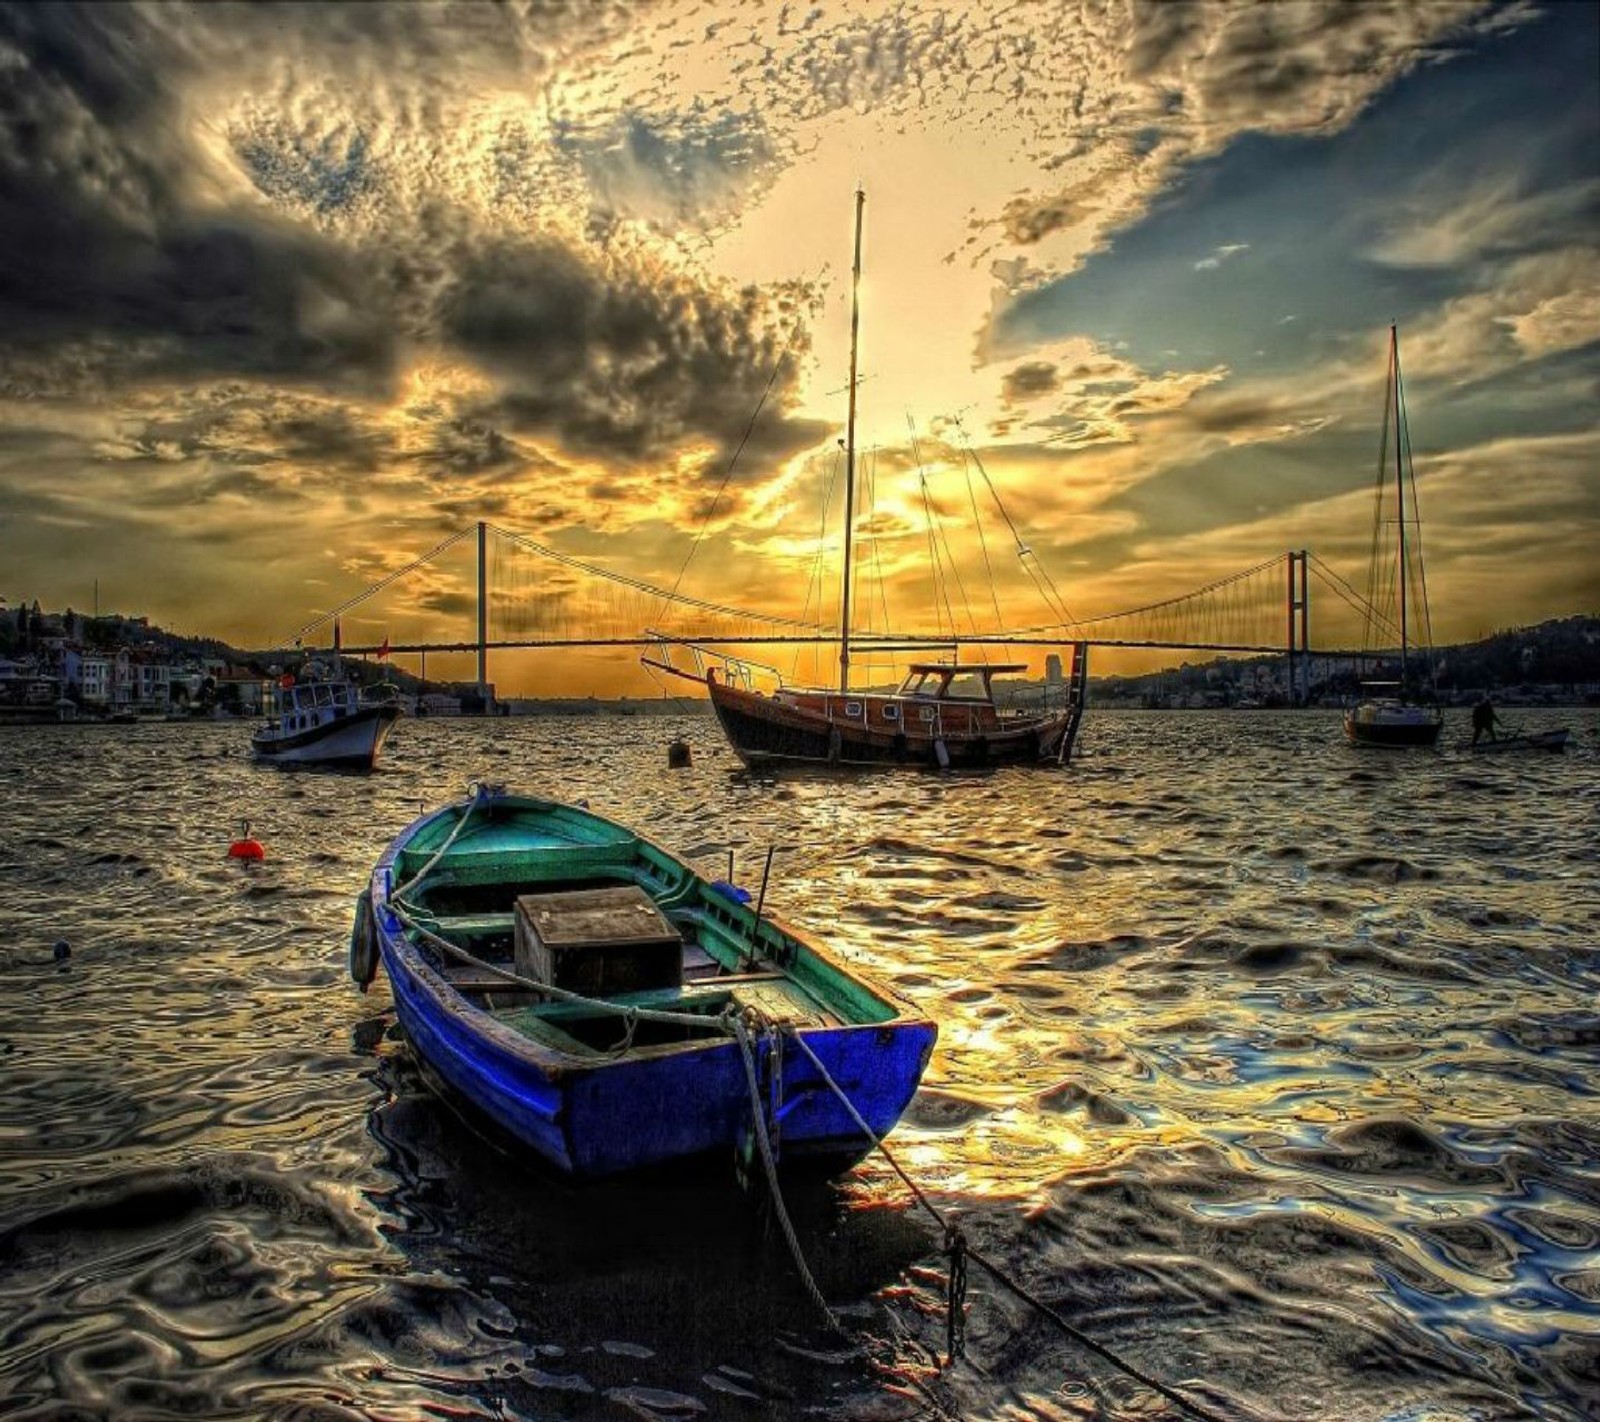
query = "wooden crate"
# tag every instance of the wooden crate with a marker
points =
(597, 941)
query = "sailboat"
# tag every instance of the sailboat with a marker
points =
(1391, 718)
(943, 714)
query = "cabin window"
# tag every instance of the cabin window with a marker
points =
(891, 712)
(852, 708)
(969, 686)
(929, 713)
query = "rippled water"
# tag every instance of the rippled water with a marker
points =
(1269, 1063)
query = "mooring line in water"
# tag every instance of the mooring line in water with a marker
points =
(959, 1251)
(956, 1246)
(741, 1032)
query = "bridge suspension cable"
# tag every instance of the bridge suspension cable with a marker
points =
(324, 618)
(590, 605)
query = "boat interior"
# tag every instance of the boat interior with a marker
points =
(723, 957)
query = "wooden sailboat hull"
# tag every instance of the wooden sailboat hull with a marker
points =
(765, 730)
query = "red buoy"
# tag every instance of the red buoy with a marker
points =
(245, 848)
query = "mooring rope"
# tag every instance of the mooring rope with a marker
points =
(736, 1023)
(478, 793)
(959, 1250)
(741, 1032)
(559, 994)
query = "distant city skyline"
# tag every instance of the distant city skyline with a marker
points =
(293, 293)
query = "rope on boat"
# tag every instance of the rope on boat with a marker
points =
(515, 979)
(741, 1032)
(959, 1250)
(408, 914)
(479, 793)
(735, 1024)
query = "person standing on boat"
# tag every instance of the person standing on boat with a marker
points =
(1484, 721)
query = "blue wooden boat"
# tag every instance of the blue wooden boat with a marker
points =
(611, 1009)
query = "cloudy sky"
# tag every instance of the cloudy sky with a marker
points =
(292, 293)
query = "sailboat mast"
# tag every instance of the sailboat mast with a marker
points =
(1399, 492)
(850, 456)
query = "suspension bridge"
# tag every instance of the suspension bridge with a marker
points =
(516, 593)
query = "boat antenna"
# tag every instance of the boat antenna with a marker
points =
(850, 453)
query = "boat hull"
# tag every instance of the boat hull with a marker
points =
(764, 730)
(598, 1120)
(613, 1112)
(352, 742)
(1392, 726)
(1542, 740)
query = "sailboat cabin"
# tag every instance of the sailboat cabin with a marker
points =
(945, 681)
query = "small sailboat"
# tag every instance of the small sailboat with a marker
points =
(943, 714)
(328, 723)
(609, 1009)
(1391, 717)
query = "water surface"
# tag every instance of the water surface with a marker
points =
(1269, 1063)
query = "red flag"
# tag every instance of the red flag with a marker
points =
(383, 651)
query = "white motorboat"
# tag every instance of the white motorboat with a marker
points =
(325, 723)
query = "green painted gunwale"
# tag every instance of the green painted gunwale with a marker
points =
(522, 843)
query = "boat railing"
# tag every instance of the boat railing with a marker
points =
(691, 661)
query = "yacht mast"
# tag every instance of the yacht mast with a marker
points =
(1400, 493)
(850, 456)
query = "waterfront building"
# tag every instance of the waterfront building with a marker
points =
(242, 690)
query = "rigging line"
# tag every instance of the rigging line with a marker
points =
(983, 541)
(672, 696)
(877, 541)
(933, 547)
(1058, 606)
(652, 589)
(937, 566)
(1374, 571)
(1416, 518)
(865, 539)
(727, 474)
(949, 552)
(382, 583)
(815, 576)
(961, 589)
(1346, 593)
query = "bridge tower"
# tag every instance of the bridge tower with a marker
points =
(483, 612)
(1299, 614)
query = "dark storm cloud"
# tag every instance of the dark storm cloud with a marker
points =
(301, 440)
(623, 359)
(1029, 380)
(473, 448)
(331, 438)
(104, 240)
(1162, 32)
(457, 606)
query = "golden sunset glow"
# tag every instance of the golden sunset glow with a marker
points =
(297, 293)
